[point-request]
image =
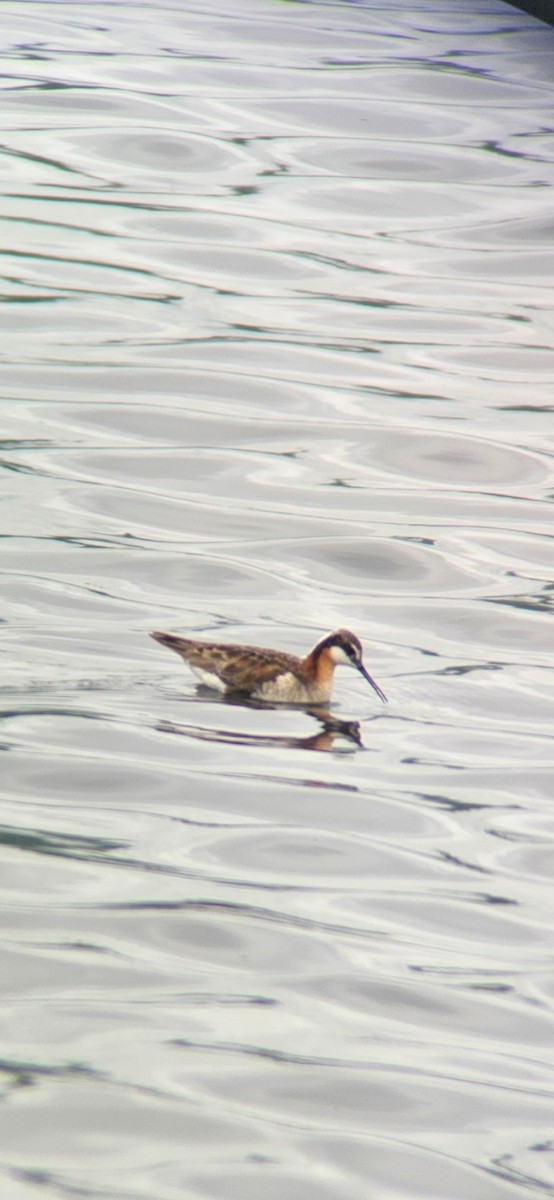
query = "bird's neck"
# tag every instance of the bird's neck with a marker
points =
(320, 666)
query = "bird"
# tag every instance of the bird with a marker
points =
(272, 675)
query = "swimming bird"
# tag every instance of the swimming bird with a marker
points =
(272, 675)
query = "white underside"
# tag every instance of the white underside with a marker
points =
(287, 689)
(208, 678)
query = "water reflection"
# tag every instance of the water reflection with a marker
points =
(334, 734)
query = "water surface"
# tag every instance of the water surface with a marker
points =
(277, 357)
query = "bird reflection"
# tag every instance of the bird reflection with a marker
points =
(331, 731)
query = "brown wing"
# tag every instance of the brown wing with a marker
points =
(240, 667)
(251, 666)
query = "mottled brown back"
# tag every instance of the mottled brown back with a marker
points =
(235, 664)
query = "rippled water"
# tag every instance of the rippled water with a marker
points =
(277, 357)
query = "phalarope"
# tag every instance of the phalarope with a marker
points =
(271, 674)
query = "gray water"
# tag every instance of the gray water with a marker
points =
(277, 357)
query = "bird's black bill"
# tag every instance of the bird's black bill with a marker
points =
(374, 685)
